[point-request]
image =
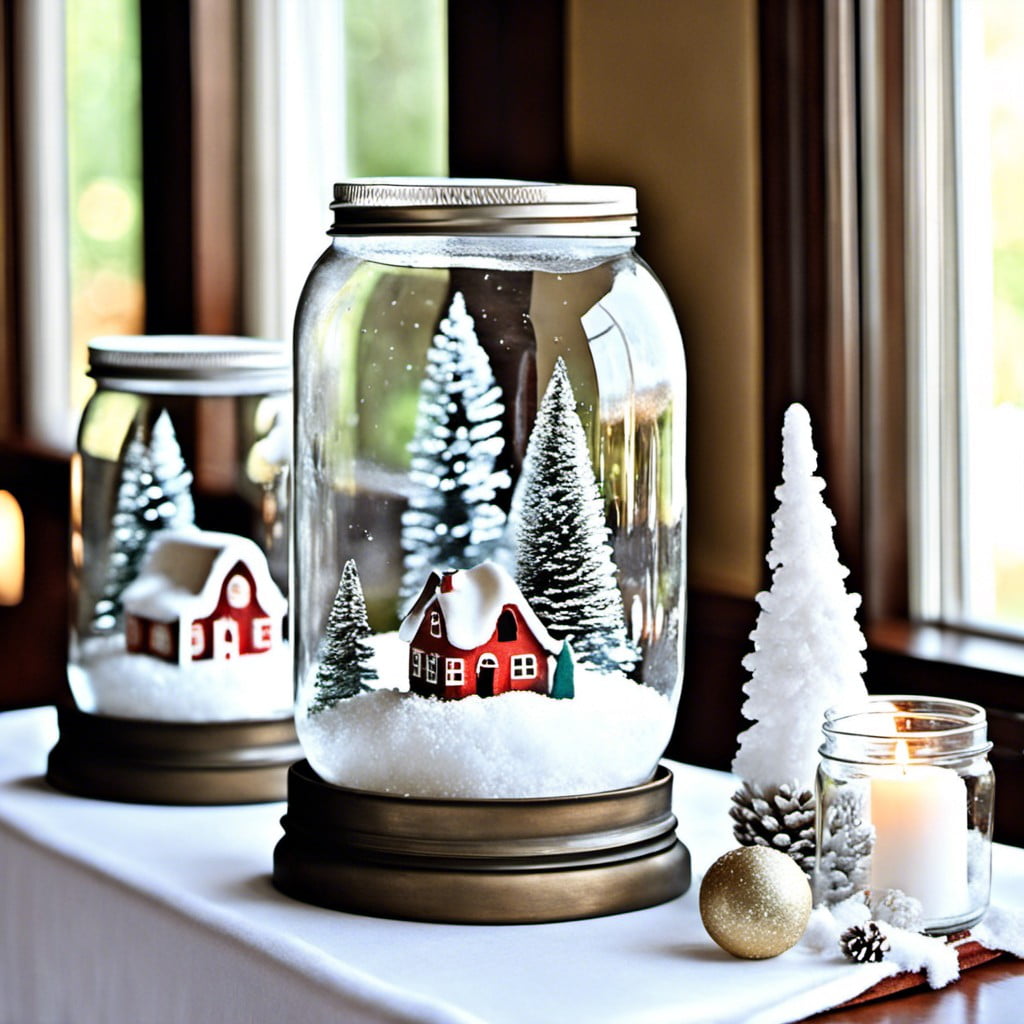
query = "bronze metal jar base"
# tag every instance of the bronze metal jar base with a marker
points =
(480, 861)
(142, 761)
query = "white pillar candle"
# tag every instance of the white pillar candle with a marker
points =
(919, 813)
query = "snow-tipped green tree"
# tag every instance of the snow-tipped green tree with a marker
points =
(564, 564)
(453, 521)
(154, 493)
(345, 657)
(806, 658)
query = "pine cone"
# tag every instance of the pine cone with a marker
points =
(776, 816)
(895, 907)
(846, 844)
(864, 943)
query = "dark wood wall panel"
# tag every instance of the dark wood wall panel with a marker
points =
(165, 46)
(34, 633)
(506, 89)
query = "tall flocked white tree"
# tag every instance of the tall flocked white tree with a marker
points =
(806, 658)
(564, 564)
(453, 520)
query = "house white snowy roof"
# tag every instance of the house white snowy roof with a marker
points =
(184, 570)
(472, 606)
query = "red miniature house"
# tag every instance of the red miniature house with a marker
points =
(202, 596)
(472, 632)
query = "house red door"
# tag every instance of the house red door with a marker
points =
(225, 638)
(485, 669)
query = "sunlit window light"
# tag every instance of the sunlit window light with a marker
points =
(990, 170)
(12, 550)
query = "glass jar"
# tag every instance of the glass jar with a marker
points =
(904, 811)
(489, 496)
(179, 546)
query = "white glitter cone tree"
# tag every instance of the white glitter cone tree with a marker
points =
(806, 658)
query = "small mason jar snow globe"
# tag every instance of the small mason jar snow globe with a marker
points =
(489, 531)
(179, 661)
(904, 809)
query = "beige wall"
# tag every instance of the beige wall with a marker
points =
(663, 96)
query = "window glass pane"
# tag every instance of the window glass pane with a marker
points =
(396, 80)
(329, 91)
(990, 165)
(104, 176)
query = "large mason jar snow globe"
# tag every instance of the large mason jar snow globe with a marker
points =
(489, 519)
(179, 566)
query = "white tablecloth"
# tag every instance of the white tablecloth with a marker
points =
(116, 913)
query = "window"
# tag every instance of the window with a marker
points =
(454, 672)
(198, 636)
(160, 639)
(967, 337)
(431, 668)
(861, 257)
(104, 181)
(132, 120)
(417, 663)
(507, 629)
(330, 90)
(262, 634)
(435, 624)
(238, 591)
(524, 666)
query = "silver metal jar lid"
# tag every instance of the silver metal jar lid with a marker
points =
(454, 206)
(191, 364)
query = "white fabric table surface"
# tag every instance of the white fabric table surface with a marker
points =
(141, 914)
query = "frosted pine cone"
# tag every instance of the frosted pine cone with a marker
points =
(864, 943)
(776, 816)
(895, 907)
(846, 844)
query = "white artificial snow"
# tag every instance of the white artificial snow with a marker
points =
(1002, 928)
(908, 950)
(912, 951)
(471, 608)
(826, 924)
(514, 745)
(107, 680)
(807, 644)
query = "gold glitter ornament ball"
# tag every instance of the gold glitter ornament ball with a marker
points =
(755, 902)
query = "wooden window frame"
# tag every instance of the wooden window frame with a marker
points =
(835, 339)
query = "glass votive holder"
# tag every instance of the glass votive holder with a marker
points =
(904, 811)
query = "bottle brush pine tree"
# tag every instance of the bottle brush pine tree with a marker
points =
(564, 564)
(453, 520)
(806, 658)
(345, 657)
(154, 493)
